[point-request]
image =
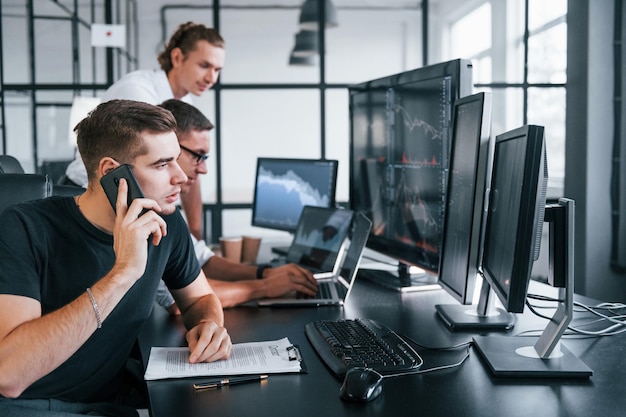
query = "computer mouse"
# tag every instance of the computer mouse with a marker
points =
(361, 384)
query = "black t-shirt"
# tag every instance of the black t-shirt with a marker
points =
(51, 253)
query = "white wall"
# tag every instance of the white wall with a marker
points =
(589, 146)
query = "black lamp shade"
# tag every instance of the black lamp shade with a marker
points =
(309, 16)
(302, 61)
(306, 44)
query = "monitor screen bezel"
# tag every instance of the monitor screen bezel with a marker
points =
(304, 161)
(460, 72)
(484, 147)
(530, 219)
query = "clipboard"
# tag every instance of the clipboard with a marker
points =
(267, 357)
(294, 355)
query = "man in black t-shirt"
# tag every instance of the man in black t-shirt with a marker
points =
(78, 279)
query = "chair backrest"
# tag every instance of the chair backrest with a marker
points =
(66, 190)
(10, 165)
(17, 188)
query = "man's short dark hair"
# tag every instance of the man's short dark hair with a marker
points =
(187, 117)
(115, 129)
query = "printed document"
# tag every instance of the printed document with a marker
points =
(277, 356)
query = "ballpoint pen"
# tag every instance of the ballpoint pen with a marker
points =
(227, 381)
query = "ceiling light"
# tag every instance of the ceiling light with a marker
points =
(306, 44)
(304, 61)
(309, 15)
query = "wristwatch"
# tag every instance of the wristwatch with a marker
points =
(260, 269)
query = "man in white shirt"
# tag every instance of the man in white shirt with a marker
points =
(232, 282)
(190, 65)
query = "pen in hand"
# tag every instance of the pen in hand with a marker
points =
(227, 381)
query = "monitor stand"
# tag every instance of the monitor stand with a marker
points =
(280, 250)
(483, 316)
(516, 356)
(402, 280)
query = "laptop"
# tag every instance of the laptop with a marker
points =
(319, 240)
(334, 291)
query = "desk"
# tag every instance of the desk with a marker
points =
(469, 390)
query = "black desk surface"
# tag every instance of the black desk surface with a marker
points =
(469, 390)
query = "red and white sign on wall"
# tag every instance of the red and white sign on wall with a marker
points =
(108, 35)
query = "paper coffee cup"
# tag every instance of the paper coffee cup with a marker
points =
(250, 249)
(231, 248)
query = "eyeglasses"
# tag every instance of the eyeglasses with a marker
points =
(199, 156)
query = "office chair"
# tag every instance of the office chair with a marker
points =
(17, 188)
(10, 165)
(66, 190)
(55, 170)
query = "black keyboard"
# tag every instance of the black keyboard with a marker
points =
(344, 344)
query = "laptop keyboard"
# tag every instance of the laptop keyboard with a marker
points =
(324, 291)
(344, 344)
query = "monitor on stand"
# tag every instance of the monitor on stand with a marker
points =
(400, 129)
(515, 218)
(469, 174)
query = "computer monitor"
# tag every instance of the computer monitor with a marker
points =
(515, 214)
(399, 144)
(284, 186)
(471, 150)
(469, 174)
(512, 239)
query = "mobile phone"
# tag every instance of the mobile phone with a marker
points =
(111, 181)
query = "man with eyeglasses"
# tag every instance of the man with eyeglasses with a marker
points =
(200, 158)
(232, 282)
(191, 63)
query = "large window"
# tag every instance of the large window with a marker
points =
(47, 60)
(521, 61)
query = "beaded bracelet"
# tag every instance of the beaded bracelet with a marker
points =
(95, 307)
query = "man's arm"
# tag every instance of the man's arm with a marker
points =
(191, 202)
(32, 345)
(220, 268)
(235, 283)
(203, 316)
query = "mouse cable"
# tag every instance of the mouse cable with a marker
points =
(453, 347)
(436, 368)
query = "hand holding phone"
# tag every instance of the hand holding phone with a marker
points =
(110, 183)
(134, 257)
